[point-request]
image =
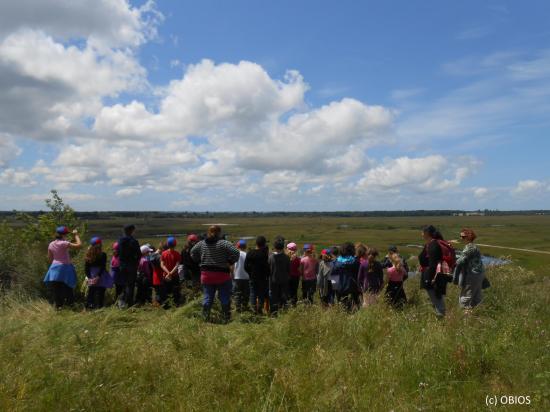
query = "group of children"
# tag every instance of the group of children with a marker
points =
(261, 280)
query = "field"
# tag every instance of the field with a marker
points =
(529, 232)
(309, 358)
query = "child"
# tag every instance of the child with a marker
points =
(169, 262)
(115, 272)
(241, 279)
(95, 268)
(279, 268)
(294, 278)
(191, 269)
(144, 276)
(257, 266)
(334, 276)
(387, 263)
(395, 294)
(361, 253)
(324, 283)
(346, 267)
(371, 277)
(158, 273)
(61, 275)
(308, 269)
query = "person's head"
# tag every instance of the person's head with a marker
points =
(115, 248)
(61, 232)
(279, 243)
(429, 232)
(94, 250)
(396, 261)
(146, 250)
(292, 248)
(241, 244)
(129, 230)
(326, 255)
(392, 249)
(347, 249)
(335, 251)
(372, 254)
(162, 246)
(171, 242)
(192, 239)
(261, 242)
(360, 250)
(467, 235)
(214, 232)
(308, 249)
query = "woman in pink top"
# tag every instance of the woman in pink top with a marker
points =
(61, 276)
(308, 269)
(395, 293)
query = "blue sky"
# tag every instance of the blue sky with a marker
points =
(248, 105)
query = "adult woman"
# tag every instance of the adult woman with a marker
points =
(430, 257)
(346, 268)
(61, 276)
(215, 257)
(469, 272)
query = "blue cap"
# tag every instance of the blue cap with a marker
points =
(96, 240)
(241, 243)
(308, 246)
(62, 230)
(171, 241)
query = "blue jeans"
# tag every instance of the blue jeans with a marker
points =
(224, 293)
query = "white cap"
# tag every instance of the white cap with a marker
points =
(146, 249)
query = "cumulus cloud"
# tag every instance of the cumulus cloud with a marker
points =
(16, 177)
(480, 192)
(430, 173)
(8, 150)
(529, 187)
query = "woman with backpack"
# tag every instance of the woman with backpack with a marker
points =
(61, 275)
(433, 278)
(469, 272)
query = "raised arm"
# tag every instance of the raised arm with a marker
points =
(77, 242)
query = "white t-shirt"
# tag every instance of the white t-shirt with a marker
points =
(240, 273)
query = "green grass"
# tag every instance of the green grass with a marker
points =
(529, 232)
(307, 359)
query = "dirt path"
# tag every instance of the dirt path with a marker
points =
(515, 248)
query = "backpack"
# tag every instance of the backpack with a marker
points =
(448, 261)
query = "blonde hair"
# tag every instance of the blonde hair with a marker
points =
(396, 261)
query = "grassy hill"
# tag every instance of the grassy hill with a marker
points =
(307, 359)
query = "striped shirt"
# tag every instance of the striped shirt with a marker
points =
(215, 255)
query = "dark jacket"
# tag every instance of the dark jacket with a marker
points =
(347, 268)
(279, 268)
(100, 262)
(429, 258)
(129, 252)
(191, 269)
(386, 263)
(257, 266)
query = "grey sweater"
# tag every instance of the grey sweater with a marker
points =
(279, 268)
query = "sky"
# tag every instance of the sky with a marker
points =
(296, 105)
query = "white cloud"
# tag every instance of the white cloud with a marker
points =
(430, 173)
(529, 187)
(128, 192)
(480, 192)
(16, 177)
(8, 150)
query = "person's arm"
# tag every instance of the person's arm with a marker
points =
(434, 257)
(301, 269)
(77, 242)
(163, 267)
(248, 264)
(468, 253)
(87, 269)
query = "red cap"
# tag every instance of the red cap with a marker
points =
(192, 238)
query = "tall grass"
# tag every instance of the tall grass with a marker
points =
(307, 359)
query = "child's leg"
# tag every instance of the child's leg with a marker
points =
(90, 297)
(100, 297)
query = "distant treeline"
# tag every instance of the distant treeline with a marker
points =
(376, 213)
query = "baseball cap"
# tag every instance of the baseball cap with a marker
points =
(392, 248)
(192, 238)
(62, 230)
(325, 252)
(146, 249)
(115, 246)
(96, 240)
(308, 246)
(171, 241)
(241, 243)
(292, 246)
